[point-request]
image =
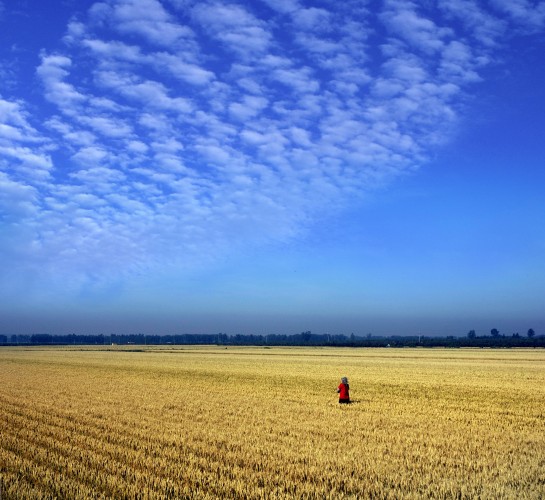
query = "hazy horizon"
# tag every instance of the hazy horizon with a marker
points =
(272, 166)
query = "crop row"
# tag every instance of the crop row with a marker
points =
(241, 424)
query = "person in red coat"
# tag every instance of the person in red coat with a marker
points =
(344, 395)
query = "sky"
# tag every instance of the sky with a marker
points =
(272, 166)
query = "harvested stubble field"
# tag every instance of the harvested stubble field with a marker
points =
(210, 422)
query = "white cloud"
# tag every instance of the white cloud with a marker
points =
(114, 50)
(273, 61)
(527, 14)
(458, 63)
(52, 71)
(283, 6)
(10, 133)
(90, 156)
(129, 204)
(107, 126)
(235, 27)
(11, 113)
(250, 85)
(17, 200)
(300, 80)
(248, 107)
(88, 200)
(137, 147)
(407, 69)
(486, 28)
(213, 152)
(300, 136)
(157, 122)
(252, 137)
(217, 16)
(146, 18)
(190, 73)
(184, 129)
(70, 135)
(312, 19)
(153, 94)
(99, 178)
(420, 32)
(23, 151)
(318, 45)
(75, 31)
(27, 157)
(168, 146)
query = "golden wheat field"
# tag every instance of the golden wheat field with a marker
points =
(216, 422)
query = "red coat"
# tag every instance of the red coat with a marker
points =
(343, 391)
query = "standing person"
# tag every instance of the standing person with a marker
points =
(344, 396)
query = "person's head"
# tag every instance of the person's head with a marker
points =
(344, 380)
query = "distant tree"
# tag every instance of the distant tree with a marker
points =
(306, 336)
(494, 332)
(471, 334)
(41, 338)
(531, 332)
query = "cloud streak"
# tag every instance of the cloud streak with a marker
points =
(180, 131)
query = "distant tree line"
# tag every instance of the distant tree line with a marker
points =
(307, 338)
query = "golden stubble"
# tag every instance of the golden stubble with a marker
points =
(210, 422)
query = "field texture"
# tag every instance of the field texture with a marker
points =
(216, 422)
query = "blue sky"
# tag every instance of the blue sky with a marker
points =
(272, 166)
